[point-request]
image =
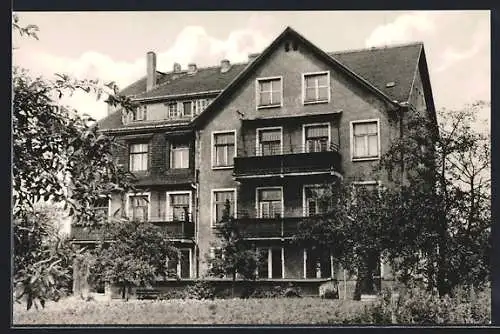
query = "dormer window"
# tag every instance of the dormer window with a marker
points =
(140, 114)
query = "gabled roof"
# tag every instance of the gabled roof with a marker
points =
(208, 79)
(382, 66)
(387, 71)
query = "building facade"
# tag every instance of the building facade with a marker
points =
(265, 135)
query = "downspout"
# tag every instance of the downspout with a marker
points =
(197, 200)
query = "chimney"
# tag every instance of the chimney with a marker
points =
(252, 56)
(192, 68)
(151, 71)
(177, 67)
(225, 65)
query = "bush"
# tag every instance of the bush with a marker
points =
(173, 294)
(418, 306)
(201, 290)
(276, 292)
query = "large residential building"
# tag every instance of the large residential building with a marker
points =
(264, 135)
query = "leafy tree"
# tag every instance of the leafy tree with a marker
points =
(137, 256)
(59, 157)
(446, 225)
(352, 229)
(432, 220)
(235, 254)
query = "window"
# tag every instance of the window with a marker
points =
(140, 114)
(220, 197)
(138, 207)
(269, 203)
(269, 141)
(317, 264)
(179, 155)
(173, 110)
(316, 87)
(178, 206)
(269, 92)
(363, 187)
(365, 139)
(187, 109)
(138, 157)
(270, 263)
(315, 200)
(200, 105)
(223, 149)
(317, 137)
(216, 253)
(180, 267)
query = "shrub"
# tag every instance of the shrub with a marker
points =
(201, 290)
(172, 294)
(418, 306)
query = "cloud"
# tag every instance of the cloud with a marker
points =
(404, 28)
(480, 40)
(192, 44)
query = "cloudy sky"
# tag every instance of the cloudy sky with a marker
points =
(113, 45)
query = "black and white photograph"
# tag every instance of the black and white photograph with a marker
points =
(251, 168)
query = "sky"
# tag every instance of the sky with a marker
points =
(112, 46)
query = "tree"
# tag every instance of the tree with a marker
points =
(60, 157)
(431, 221)
(235, 254)
(443, 207)
(137, 255)
(352, 229)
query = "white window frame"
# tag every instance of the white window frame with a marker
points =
(130, 156)
(376, 183)
(304, 126)
(148, 194)
(304, 75)
(178, 192)
(183, 112)
(257, 203)
(270, 262)
(140, 110)
(190, 263)
(212, 144)
(257, 92)
(212, 203)
(304, 202)
(172, 156)
(352, 123)
(318, 268)
(258, 152)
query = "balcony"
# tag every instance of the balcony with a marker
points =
(173, 229)
(293, 160)
(266, 228)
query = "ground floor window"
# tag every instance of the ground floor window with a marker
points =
(180, 267)
(317, 264)
(271, 263)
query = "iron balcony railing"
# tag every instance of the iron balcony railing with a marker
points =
(253, 225)
(173, 227)
(288, 160)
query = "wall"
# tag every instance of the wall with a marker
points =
(347, 97)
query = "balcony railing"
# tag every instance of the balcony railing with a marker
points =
(288, 160)
(253, 226)
(173, 227)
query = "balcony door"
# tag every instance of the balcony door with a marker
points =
(270, 202)
(178, 205)
(317, 137)
(138, 207)
(269, 141)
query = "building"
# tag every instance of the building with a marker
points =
(265, 135)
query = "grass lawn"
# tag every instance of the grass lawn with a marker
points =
(72, 311)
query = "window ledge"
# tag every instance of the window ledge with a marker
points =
(270, 106)
(316, 102)
(366, 159)
(221, 167)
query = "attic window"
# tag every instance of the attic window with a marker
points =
(287, 47)
(295, 45)
(390, 84)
